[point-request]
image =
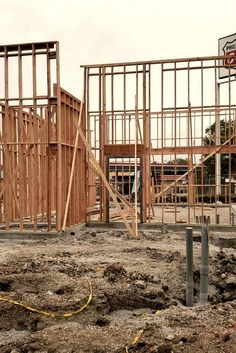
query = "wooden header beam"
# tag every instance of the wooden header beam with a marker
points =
(119, 150)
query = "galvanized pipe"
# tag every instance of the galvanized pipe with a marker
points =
(189, 257)
(164, 229)
(204, 267)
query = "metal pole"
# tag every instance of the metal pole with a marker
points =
(189, 256)
(218, 142)
(204, 267)
(107, 192)
(164, 228)
(136, 167)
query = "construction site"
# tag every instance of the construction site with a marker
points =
(99, 195)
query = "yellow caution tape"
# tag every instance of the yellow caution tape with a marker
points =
(135, 340)
(52, 314)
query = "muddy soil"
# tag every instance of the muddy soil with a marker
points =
(138, 303)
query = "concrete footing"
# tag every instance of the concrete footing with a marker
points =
(163, 228)
(159, 226)
(40, 234)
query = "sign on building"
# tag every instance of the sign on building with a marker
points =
(227, 46)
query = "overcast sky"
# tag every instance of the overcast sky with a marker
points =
(100, 31)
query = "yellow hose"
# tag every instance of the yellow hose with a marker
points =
(52, 314)
(134, 341)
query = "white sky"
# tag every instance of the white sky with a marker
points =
(100, 31)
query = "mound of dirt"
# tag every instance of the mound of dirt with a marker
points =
(138, 303)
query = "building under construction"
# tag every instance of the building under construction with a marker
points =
(149, 142)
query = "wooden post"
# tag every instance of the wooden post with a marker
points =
(72, 167)
(59, 148)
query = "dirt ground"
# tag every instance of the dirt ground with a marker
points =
(138, 302)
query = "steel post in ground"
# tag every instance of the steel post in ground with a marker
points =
(164, 229)
(189, 257)
(204, 266)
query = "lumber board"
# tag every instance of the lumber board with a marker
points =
(123, 150)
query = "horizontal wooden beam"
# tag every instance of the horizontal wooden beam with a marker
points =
(27, 46)
(126, 150)
(119, 73)
(167, 61)
(193, 150)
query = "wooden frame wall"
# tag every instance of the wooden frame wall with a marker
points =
(176, 101)
(37, 141)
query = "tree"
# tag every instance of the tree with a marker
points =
(226, 128)
(179, 161)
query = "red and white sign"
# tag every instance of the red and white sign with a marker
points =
(227, 46)
(230, 49)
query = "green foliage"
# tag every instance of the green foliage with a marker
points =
(179, 161)
(226, 129)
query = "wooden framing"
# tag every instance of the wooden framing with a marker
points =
(60, 164)
(37, 140)
(176, 102)
(126, 150)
